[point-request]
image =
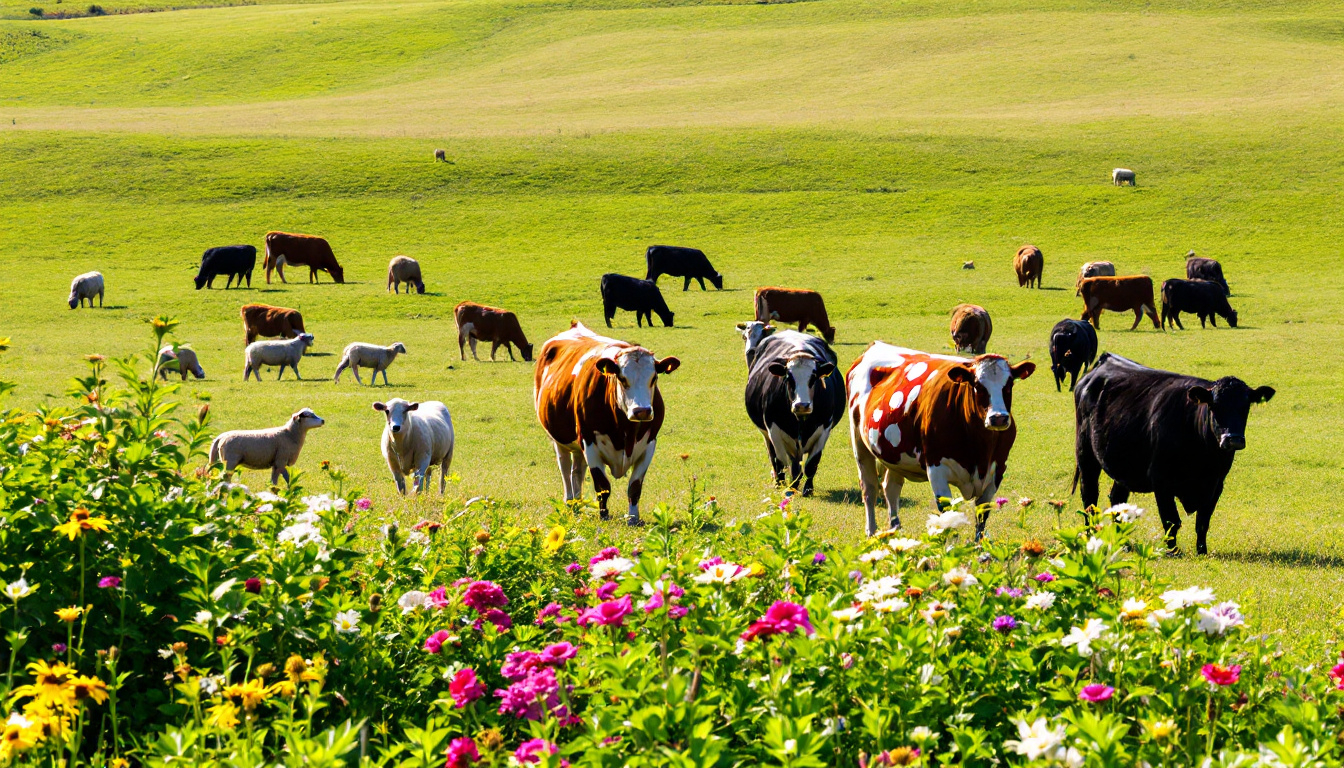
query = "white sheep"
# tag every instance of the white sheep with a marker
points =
(378, 358)
(276, 448)
(417, 436)
(86, 286)
(1121, 176)
(183, 360)
(404, 269)
(286, 352)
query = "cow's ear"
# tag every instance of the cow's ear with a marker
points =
(608, 366)
(1262, 394)
(767, 330)
(825, 369)
(1023, 369)
(1200, 395)
(413, 407)
(741, 326)
(779, 369)
(666, 365)
(961, 374)
(380, 406)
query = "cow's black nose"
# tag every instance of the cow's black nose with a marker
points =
(998, 420)
(641, 414)
(396, 428)
(1232, 442)
(802, 409)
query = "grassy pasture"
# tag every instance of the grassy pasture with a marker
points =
(863, 149)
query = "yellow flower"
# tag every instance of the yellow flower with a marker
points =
(252, 693)
(284, 689)
(317, 669)
(223, 715)
(554, 540)
(20, 735)
(295, 667)
(48, 722)
(755, 570)
(81, 520)
(1161, 729)
(84, 687)
(48, 687)
(69, 615)
(118, 762)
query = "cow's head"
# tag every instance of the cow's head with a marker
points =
(525, 350)
(635, 372)
(800, 372)
(717, 280)
(337, 273)
(992, 377)
(754, 333)
(200, 281)
(397, 412)
(1231, 317)
(306, 419)
(1228, 403)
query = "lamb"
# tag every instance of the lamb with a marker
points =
(86, 286)
(404, 269)
(417, 436)
(281, 353)
(276, 448)
(183, 358)
(369, 356)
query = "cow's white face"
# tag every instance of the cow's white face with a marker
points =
(753, 333)
(397, 412)
(635, 372)
(992, 378)
(801, 372)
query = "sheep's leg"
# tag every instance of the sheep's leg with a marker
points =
(386, 383)
(345, 363)
(100, 301)
(278, 374)
(397, 476)
(421, 474)
(443, 471)
(295, 366)
(355, 370)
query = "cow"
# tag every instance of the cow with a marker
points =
(753, 333)
(440, 155)
(688, 263)
(1163, 433)
(970, 328)
(794, 305)
(232, 260)
(919, 416)
(1201, 297)
(795, 396)
(1121, 175)
(300, 250)
(1093, 269)
(1073, 347)
(477, 322)
(1198, 268)
(598, 400)
(1029, 264)
(1119, 294)
(263, 320)
(634, 295)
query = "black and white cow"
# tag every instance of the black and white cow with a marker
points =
(1163, 433)
(688, 263)
(795, 396)
(1073, 347)
(753, 333)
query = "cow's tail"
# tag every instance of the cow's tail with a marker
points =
(1077, 475)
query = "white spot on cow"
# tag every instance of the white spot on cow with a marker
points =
(877, 416)
(910, 399)
(915, 370)
(893, 434)
(897, 399)
(931, 376)
(896, 360)
(873, 436)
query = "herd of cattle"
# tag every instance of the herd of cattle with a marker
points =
(912, 415)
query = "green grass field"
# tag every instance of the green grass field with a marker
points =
(864, 149)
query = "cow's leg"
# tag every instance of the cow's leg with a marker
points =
(1119, 493)
(1089, 474)
(701, 280)
(509, 347)
(472, 341)
(776, 466)
(1073, 379)
(783, 447)
(940, 482)
(578, 468)
(814, 450)
(1171, 518)
(636, 487)
(982, 503)
(686, 286)
(565, 460)
(1138, 317)
(494, 347)
(601, 483)
(891, 490)
(279, 270)
(867, 465)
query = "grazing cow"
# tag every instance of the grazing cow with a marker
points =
(440, 155)
(1029, 264)
(633, 295)
(971, 328)
(753, 333)
(263, 320)
(1163, 433)
(917, 416)
(1073, 347)
(301, 250)
(497, 326)
(794, 305)
(795, 397)
(968, 265)
(1202, 297)
(1120, 176)
(1093, 269)
(1197, 268)
(232, 260)
(1119, 294)
(688, 263)
(417, 438)
(598, 400)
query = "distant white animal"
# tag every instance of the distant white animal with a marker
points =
(286, 352)
(185, 359)
(378, 358)
(417, 436)
(86, 286)
(1121, 175)
(276, 448)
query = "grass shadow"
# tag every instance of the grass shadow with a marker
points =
(115, 306)
(1290, 558)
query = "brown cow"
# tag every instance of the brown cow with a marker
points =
(497, 326)
(1029, 264)
(794, 305)
(917, 416)
(598, 400)
(971, 328)
(300, 250)
(263, 320)
(1119, 294)
(1093, 269)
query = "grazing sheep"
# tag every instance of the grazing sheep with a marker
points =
(417, 436)
(404, 269)
(281, 353)
(440, 154)
(1121, 175)
(276, 448)
(183, 360)
(86, 286)
(369, 356)
(1093, 269)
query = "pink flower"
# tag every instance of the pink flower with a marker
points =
(495, 616)
(531, 751)
(573, 568)
(1096, 692)
(846, 660)
(999, 502)
(677, 611)
(465, 688)
(605, 554)
(520, 664)
(1044, 577)
(438, 599)
(109, 582)
(654, 602)
(607, 591)
(483, 595)
(462, 752)
(252, 585)
(434, 643)
(784, 502)
(705, 565)
(556, 655)
(782, 618)
(59, 647)
(532, 696)
(608, 614)
(552, 609)
(1220, 675)
(363, 504)
(1337, 673)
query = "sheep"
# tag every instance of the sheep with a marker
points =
(404, 269)
(281, 353)
(369, 356)
(1121, 176)
(417, 436)
(182, 359)
(276, 448)
(440, 155)
(86, 286)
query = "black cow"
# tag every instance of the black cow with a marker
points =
(1162, 433)
(1197, 268)
(1073, 347)
(690, 263)
(795, 396)
(1202, 297)
(633, 295)
(232, 260)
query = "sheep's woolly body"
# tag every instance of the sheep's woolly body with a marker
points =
(358, 355)
(282, 353)
(276, 448)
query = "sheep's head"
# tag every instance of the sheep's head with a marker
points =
(399, 348)
(306, 419)
(306, 338)
(397, 412)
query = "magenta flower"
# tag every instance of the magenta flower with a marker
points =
(818, 558)
(109, 582)
(556, 655)
(1096, 692)
(59, 648)
(434, 643)
(609, 614)
(252, 585)
(1044, 577)
(462, 752)
(1004, 624)
(519, 664)
(483, 595)
(551, 609)
(705, 565)
(784, 502)
(494, 616)
(605, 554)
(677, 611)
(532, 696)
(573, 568)
(607, 590)
(438, 599)
(654, 602)
(465, 688)
(531, 751)
(999, 502)
(363, 504)
(1220, 675)
(1008, 592)
(782, 618)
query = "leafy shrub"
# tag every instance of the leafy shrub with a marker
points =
(38, 12)
(96, 10)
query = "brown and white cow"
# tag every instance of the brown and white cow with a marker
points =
(1029, 264)
(1119, 294)
(918, 416)
(1093, 269)
(308, 251)
(794, 305)
(598, 400)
